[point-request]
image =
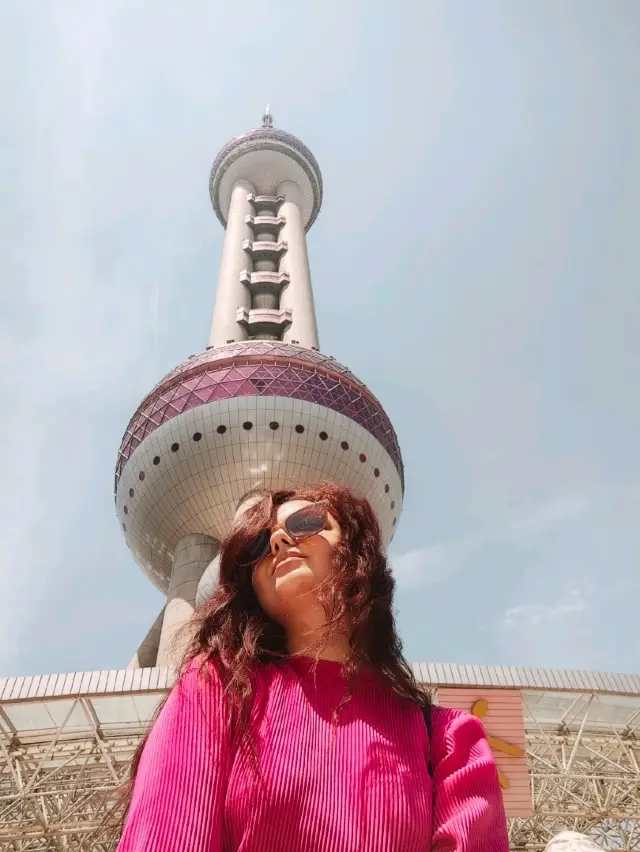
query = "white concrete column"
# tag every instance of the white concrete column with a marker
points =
(209, 579)
(298, 294)
(147, 654)
(193, 553)
(231, 294)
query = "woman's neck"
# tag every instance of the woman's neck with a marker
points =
(307, 639)
(306, 632)
(335, 650)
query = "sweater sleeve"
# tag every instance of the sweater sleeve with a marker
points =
(469, 811)
(178, 797)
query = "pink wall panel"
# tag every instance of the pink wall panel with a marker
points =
(503, 720)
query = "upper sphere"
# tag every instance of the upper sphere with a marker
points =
(266, 157)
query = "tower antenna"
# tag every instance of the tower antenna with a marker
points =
(267, 118)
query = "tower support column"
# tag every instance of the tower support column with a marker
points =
(147, 653)
(298, 295)
(192, 555)
(231, 293)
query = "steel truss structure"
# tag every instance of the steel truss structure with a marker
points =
(66, 742)
(584, 768)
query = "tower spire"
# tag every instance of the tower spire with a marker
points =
(267, 118)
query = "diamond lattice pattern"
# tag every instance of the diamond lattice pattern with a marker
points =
(203, 379)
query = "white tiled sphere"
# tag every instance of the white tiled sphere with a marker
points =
(196, 487)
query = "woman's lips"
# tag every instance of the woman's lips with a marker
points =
(287, 561)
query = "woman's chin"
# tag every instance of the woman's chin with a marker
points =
(297, 581)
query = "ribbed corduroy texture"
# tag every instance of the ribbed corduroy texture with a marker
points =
(362, 786)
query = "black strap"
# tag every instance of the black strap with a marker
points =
(426, 712)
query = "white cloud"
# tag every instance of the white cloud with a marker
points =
(565, 632)
(559, 512)
(539, 615)
(431, 564)
(554, 575)
(581, 558)
(530, 529)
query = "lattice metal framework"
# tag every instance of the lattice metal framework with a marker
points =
(62, 761)
(584, 757)
(65, 752)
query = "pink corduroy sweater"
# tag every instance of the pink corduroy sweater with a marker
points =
(360, 786)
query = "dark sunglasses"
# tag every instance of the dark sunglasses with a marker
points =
(308, 521)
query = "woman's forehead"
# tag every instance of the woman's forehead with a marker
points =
(289, 508)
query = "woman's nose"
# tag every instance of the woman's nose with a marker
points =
(280, 539)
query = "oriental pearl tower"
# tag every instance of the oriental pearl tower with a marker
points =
(261, 406)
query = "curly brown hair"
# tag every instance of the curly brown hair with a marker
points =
(232, 631)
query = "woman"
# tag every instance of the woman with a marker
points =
(296, 724)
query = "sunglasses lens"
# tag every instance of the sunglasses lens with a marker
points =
(255, 550)
(306, 522)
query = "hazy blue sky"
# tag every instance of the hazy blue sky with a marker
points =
(475, 262)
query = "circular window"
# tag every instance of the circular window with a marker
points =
(274, 425)
(393, 504)
(175, 447)
(344, 445)
(141, 475)
(156, 459)
(323, 436)
(376, 472)
(124, 527)
(247, 425)
(394, 521)
(125, 510)
(363, 458)
(197, 436)
(221, 430)
(386, 489)
(131, 492)
(299, 429)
